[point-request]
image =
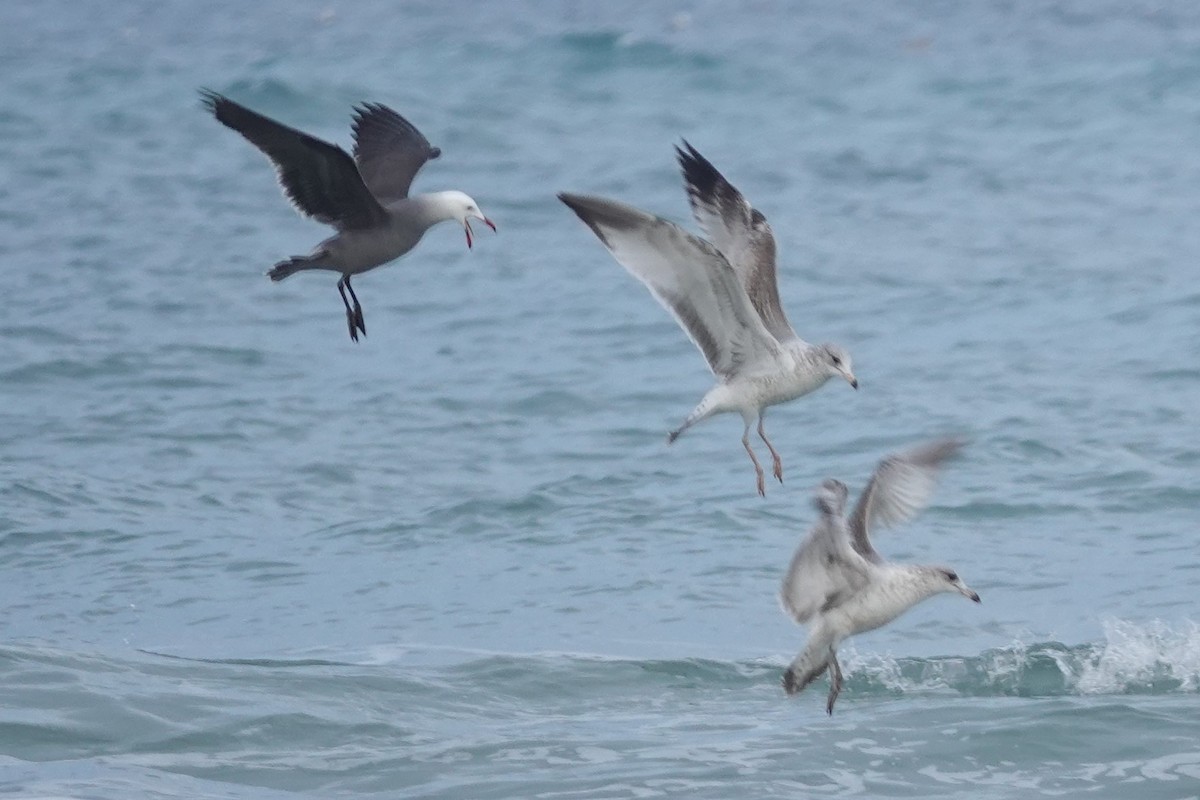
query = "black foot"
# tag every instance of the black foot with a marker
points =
(350, 321)
(358, 320)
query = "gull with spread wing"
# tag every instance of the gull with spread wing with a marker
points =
(723, 293)
(365, 198)
(839, 585)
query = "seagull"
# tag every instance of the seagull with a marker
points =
(723, 293)
(364, 198)
(837, 582)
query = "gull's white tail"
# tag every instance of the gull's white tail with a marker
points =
(708, 406)
(810, 664)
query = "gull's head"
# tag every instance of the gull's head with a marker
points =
(947, 580)
(464, 209)
(837, 362)
(831, 496)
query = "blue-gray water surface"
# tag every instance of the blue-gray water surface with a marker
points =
(244, 557)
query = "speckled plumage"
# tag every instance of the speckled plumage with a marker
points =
(839, 584)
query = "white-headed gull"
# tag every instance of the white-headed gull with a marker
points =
(724, 294)
(365, 197)
(839, 585)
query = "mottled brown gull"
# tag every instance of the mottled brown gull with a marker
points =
(724, 294)
(365, 198)
(839, 585)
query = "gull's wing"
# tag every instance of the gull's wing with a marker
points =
(320, 179)
(688, 276)
(740, 232)
(899, 489)
(389, 151)
(825, 571)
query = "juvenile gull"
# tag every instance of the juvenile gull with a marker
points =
(839, 584)
(723, 293)
(364, 198)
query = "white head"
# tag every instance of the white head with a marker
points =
(459, 206)
(837, 363)
(944, 579)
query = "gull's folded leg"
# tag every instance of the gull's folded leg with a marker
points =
(758, 472)
(778, 462)
(350, 320)
(835, 681)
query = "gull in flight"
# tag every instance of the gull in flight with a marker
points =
(723, 293)
(839, 585)
(365, 198)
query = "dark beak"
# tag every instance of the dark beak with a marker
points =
(490, 224)
(467, 228)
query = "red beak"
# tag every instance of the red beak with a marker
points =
(490, 224)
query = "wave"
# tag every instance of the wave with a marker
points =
(1135, 658)
(1151, 658)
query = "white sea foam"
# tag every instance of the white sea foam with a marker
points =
(1145, 656)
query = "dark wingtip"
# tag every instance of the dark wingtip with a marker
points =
(210, 99)
(576, 204)
(789, 681)
(698, 171)
(579, 204)
(434, 152)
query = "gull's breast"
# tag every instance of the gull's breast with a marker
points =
(877, 604)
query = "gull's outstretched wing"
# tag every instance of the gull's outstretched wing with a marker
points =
(825, 571)
(390, 151)
(320, 179)
(740, 232)
(899, 489)
(688, 277)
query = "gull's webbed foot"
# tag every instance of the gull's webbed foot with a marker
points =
(358, 321)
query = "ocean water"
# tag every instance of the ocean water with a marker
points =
(244, 557)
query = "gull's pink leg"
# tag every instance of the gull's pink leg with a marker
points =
(762, 489)
(774, 455)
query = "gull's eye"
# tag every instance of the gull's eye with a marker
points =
(950, 576)
(837, 362)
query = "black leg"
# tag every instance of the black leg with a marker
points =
(835, 681)
(358, 315)
(344, 284)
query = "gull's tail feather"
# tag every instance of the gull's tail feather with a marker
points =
(812, 662)
(296, 264)
(706, 408)
(800, 673)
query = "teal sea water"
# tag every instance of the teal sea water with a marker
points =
(243, 557)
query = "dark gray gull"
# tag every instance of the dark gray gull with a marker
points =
(839, 585)
(365, 198)
(724, 294)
